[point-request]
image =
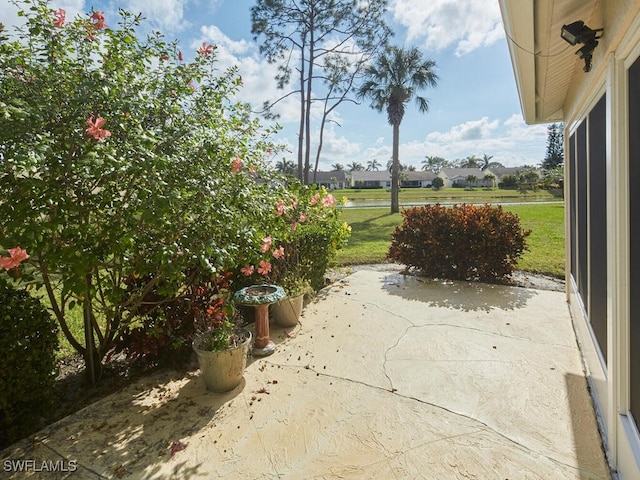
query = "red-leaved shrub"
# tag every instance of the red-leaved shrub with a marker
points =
(463, 242)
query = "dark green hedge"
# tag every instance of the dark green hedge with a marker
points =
(28, 342)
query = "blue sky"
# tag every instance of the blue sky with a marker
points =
(474, 110)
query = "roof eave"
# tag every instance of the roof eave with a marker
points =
(518, 21)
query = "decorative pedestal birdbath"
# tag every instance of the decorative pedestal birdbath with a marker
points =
(260, 297)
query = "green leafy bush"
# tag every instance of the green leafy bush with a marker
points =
(509, 182)
(305, 233)
(464, 242)
(124, 158)
(163, 335)
(28, 341)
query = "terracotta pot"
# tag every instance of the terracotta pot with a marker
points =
(287, 312)
(222, 371)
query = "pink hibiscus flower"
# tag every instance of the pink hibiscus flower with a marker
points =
(95, 129)
(264, 268)
(329, 200)
(17, 256)
(236, 165)
(278, 252)
(247, 271)
(98, 24)
(266, 244)
(280, 208)
(205, 49)
(60, 15)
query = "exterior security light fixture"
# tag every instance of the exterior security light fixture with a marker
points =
(578, 32)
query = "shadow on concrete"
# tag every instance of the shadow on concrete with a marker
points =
(586, 439)
(137, 428)
(457, 295)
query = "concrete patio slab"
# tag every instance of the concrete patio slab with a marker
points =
(387, 376)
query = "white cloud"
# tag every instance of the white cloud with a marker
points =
(9, 17)
(336, 145)
(213, 34)
(164, 15)
(512, 143)
(470, 131)
(258, 83)
(519, 129)
(469, 24)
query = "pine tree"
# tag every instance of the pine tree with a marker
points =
(321, 48)
(554, 156)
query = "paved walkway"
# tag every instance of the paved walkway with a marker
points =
(386, 377)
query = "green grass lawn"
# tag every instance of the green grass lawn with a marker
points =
(371, 230)
(447, 195)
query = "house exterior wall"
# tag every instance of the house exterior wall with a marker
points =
(601, 113)
(602, 124)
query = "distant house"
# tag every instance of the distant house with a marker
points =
(333, 180)
(457, 177)
(370, 179)
(416, 179)
(501, 172)
(382, 179)
(596, 96)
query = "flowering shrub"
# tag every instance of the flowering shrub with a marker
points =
(120, 160)
(463, 242)
(304, 237)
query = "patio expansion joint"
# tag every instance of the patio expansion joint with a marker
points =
(412, 325)
(481, 426)
(451, 325)
(46, 446)
(495, 334)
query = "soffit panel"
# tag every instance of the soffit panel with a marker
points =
(556, 60)
(544, 64)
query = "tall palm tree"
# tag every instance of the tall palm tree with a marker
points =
(470, 162)
(391, 82)
(355, 166)
(373, 165)
(435, 164)
(286, 167)
(338, 167)
(485, 161)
